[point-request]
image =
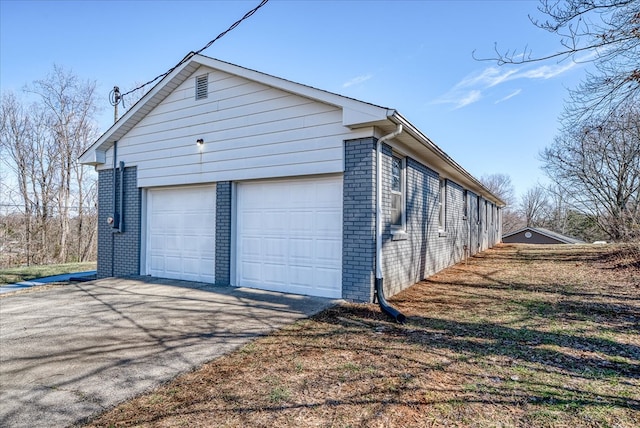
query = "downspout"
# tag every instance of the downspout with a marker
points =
(115, 188)
(121, 200)
(114, 217)
(379, 293)
(468, 205)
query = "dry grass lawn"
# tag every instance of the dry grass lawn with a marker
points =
(529, 336)
(26, 273)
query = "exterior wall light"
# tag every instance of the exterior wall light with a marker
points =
(199, 142)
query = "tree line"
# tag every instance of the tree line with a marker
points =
(48, 201)
(48, 210)
(594, 162)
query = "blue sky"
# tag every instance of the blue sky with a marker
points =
(414, 56)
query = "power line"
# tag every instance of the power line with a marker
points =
(191, 54)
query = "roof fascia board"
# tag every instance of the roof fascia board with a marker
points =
(138, 111)
(515, 233)
(475, 184)
(542, 232)
(355, 113)
(552, 235)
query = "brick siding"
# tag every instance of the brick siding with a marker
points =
(223, 233)
(359, 237)
(119, 253)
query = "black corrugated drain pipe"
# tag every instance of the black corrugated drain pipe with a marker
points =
(379, 293)
(385, 306)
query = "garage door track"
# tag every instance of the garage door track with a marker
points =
(69, 353)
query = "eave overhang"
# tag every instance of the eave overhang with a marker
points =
(438, 159)
(355, 114)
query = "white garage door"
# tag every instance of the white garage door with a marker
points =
(181, 228)
(290, 236)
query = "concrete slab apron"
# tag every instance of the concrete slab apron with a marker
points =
(69, 353)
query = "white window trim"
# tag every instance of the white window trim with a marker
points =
(465, 205)
(399, 230)
(486, 216)
(442, 206)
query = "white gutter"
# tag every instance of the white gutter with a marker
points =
(394, 134)
(472, 183)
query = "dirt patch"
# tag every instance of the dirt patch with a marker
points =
(518, 336)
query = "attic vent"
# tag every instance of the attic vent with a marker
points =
(202, 87)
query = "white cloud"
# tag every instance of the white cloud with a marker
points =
(487, 78)
(546, 71)
(470, 98)
(460, 98)
(511, 95)
(472, 87)
(357, 80)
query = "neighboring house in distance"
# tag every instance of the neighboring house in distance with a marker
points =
(226, 175)
(537, 235)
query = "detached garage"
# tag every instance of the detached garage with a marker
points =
(225, 175)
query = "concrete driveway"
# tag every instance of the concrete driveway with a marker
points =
(69, 353)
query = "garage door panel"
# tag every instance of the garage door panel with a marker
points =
(274, 273)
(302, 276)
(173, 264)
(274, 248)
(252, 220)
(250, 247)
(192, 266)
(329, 252)
(325, 193)
(157, 263)
(301, 250)
(301, 222)
(251, 272)
(325, 276)
(181, 233)
(326, 221)
(298, 224)
(272, 222)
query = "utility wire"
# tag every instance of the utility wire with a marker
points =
(191, 54)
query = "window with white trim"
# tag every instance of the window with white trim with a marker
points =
(398, 219)
(486, 216)
(465, 204)
(442, 206)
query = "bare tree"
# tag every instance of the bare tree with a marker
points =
(55, 195)
(14, 139)
(596, 165)
(534, 206)
(559, 210)
(71, 105)
(501, 186)
(604, 32)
